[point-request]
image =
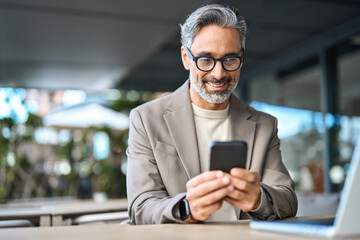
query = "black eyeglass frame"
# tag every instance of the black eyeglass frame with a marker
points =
(195, 59)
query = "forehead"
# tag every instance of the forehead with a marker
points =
(217, 39)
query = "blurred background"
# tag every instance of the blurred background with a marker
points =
(70, 72)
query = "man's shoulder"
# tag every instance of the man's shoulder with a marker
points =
(255, 115)
(159, 102)
(174, 99)
(150, 112)
(260, 115)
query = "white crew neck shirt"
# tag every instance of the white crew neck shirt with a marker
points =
(212, 125)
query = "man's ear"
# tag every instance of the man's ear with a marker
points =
(184, 57)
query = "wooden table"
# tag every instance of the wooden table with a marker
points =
(53, 213)
(36, 215)
(225, 231)
(59, 212)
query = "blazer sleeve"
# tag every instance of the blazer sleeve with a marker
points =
(148, 200)
(276, 180)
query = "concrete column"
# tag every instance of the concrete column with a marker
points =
(330, 109)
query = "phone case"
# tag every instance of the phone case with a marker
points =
(227, 155)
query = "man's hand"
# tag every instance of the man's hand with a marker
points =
(247, 192)
(206, 192)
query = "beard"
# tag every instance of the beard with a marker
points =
(213, 96)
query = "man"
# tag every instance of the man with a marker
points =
(168, 177)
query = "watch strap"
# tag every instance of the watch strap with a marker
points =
(185, 211)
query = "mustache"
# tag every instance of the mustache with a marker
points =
(214, 80)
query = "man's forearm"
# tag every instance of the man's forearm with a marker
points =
(265, 211)
(155, 208)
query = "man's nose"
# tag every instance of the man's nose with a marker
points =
(218, 71)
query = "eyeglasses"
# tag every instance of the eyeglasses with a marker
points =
(206, 63)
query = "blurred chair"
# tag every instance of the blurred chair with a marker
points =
(101, 218)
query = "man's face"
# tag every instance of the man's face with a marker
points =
(211, 90)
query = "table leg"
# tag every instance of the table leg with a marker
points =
(57, 220)
(45, 221)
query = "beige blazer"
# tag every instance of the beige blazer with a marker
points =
(163, 155)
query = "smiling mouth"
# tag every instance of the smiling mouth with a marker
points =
(218, 84)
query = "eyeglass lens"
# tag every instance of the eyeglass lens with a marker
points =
(229, 63)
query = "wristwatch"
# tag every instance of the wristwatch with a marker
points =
(185, 213)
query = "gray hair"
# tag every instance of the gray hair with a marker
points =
(215, 14)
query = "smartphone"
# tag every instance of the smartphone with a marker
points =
(227, 155)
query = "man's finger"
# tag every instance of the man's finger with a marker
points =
(237, 195)
(208, 187)
(204, 177)
(243, 185)
(249, 176)
(215, 196)
(245, 203)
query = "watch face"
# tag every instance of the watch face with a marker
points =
(184, 209)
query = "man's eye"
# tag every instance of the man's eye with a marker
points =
(205, 60)
(230, 60)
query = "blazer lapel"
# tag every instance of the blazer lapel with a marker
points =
(180, 122)
(241, 127)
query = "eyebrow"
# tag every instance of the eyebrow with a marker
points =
(210, 54)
